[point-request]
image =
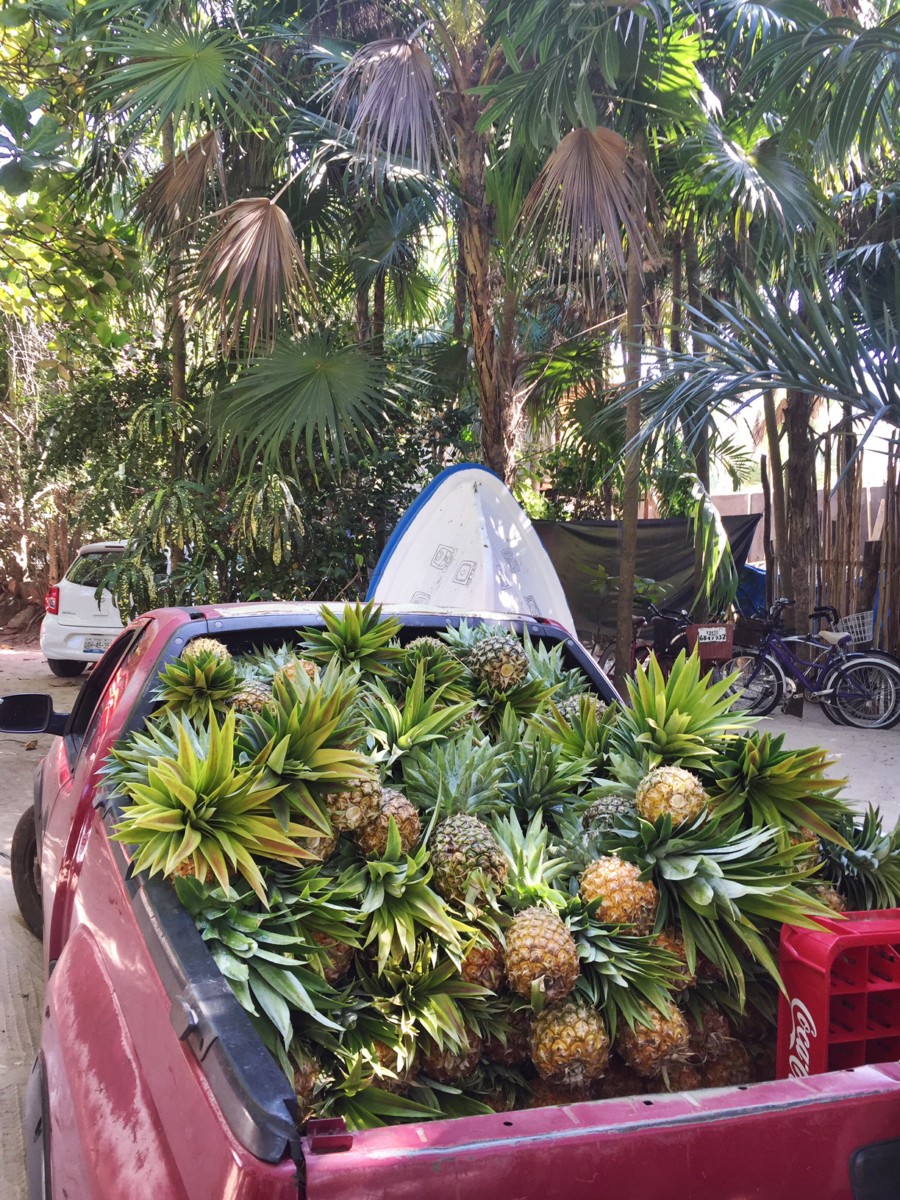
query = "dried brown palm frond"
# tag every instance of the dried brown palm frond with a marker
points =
(175, 198)
(254, 266)
(387, 99)
(580, 206)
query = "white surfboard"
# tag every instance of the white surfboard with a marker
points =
(465, 545)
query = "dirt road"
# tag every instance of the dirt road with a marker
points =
(870, 760)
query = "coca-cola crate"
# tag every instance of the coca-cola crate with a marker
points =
(713, 640)
(842, 1007)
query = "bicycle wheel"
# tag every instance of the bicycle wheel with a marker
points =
(757, 683)
(865, 693)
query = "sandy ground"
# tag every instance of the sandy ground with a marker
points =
(21, 965)
(870, 760)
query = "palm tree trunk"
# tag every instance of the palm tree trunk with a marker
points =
(695, 300)
(499, 410)
(779, 509)
(378, 310)
(177, 333)
(634, 325)
(801, 506)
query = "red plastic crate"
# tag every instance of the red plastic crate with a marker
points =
(842, 1007)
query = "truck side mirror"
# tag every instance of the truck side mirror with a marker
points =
(30, 712)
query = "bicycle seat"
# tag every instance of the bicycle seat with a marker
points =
(833, 637)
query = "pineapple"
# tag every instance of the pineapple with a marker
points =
(338, 956)
(514, 1048)
(709, 1032)
(296, 666)
(395, 1066)
(358, 805)
(541, 952)
(829, 895)
(671, 792)
(683, 1077)
(569, 1043)
(729, 1068)
(500, 661)
(323, 847)
(657, 1045)
(251, 696)
(358, 638)
(306, 1071)
(462, 847)
(199, 805)
(195, 683)
(449, 1065)
(624, 898)
(571, 709)
(671, 940)
(607, 812)
(462, 776)
(684, 719)
(205, 645)
(618, 1080)
(372, 838)
(483, 965)
(549, 1093)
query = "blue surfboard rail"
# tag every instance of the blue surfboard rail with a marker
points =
(410, 515)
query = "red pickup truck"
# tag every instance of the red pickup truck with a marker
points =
(152, 1083)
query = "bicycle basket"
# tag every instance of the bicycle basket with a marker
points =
(750, 631)
(665, 630)
(858, 625)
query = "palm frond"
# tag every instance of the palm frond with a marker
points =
(175, 197)
(583, 199)
(178, 70)
(387, 99)
(254, 266)
(307, 389)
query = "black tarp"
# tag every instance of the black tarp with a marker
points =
(665, 554)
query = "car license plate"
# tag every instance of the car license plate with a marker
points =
(96, 645)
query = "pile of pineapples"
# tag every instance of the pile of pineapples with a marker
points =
(444, 878)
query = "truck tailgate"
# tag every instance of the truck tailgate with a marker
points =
(788, 1140)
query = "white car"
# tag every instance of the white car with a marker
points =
(76, 628)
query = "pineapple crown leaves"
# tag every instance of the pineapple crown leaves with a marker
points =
(463, 639)
(398, 905)
(721, 885)
(300, 743)
(441, 670)
(318, 903)
(683, 720)
(538, 775)
(261, 956)
(767, 785)
(199, 807)
(546, 664)
(361, 1104)
(580, 734)
(523, 701)
(618, 969)
(265, 663)
(533, 870)
(190, 685)
(463, 773)
(866, 869)
(428, 996)
(358, 639)
(395, 729)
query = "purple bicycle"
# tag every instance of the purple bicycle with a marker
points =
(857, 689)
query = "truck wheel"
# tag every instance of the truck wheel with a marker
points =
(26, 873)
(65, 667)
